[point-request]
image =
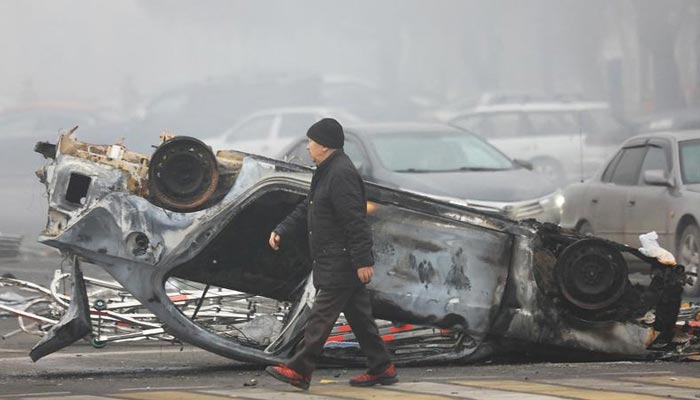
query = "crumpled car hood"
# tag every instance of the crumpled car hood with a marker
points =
(508, 185)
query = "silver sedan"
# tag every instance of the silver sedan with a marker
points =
(651, 184)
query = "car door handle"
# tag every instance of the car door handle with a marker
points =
(632, 202)
(594, 201)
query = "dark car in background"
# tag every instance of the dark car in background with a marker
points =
(204, 109)
(210, 108)
(651, 184)
(20, 128)
(445, 163)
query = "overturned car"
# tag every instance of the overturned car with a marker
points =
(480, 283)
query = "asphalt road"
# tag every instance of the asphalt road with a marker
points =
(154, 370)
(159, 370)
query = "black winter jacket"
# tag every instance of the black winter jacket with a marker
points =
(334, 216)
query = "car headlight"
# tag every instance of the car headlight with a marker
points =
(559, 200)
(556, 199)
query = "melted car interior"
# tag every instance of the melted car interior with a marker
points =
(240, 258)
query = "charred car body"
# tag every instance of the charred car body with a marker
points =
(495, 284)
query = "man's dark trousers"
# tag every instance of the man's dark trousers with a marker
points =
(355, 304)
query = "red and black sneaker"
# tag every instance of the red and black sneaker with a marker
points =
(290, 376)
(387, 377)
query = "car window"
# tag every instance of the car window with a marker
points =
(627, 169)
(437, 152)
(690, 161)
(655, 158)
(553, 123)
(501, 125)
(354, 151)
(607, 175)
(299, 155)
(492, 125)
(255, 128)
(296, 125)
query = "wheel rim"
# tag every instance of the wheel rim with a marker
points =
(591, 275)
(183, 174)
(690, 253)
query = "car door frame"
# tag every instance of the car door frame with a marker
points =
(609, 201)
(367, 167)
(644, 202)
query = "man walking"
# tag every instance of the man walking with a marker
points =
(334, 216)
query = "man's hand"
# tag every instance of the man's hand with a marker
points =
(274, 240)
(365, 274)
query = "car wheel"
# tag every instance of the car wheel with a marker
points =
(689, 256)
(550, 168)
(585, 229)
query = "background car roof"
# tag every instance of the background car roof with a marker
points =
(539, 107)
(671, 135)
(401, 127)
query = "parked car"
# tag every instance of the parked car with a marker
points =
(564, 140)
(266, 132)
(651, 184)
(444, 162)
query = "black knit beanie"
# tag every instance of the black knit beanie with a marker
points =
(327, 132)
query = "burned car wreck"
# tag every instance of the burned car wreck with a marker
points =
(482, 283)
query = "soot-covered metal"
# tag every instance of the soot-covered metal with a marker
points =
(483, 284)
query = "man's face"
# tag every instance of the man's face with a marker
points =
(317, 152)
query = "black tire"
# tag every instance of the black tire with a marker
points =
(182, 174)
(688, 255)
(591, 276)
(97, 343)
(100, 305)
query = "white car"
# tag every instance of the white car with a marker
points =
(652, 184)
(565, 141)
(267, 132)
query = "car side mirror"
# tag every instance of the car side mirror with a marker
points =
(657, 177)
(524, 164)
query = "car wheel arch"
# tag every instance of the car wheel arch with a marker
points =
(688, 221)
(683, 222)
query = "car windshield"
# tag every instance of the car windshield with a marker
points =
(437, 152)
(690, 161)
